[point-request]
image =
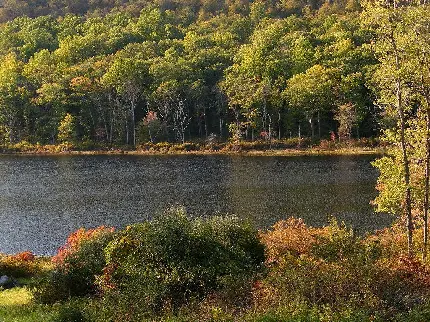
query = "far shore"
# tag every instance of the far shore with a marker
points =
(273, 152)
(284, 147)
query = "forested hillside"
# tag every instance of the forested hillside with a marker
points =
(129, 72)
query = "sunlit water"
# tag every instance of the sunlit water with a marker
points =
(43, 199)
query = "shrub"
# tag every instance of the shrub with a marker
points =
(22, 146)
(19, 265)
(166, 262)
(331, 267)
(326, 267)
(339, 243)
(69, 312)
(402, 283)
(288, 236)
(76, 265)
(51, 287)
(327, 144)
(162, 147)
(187, 146)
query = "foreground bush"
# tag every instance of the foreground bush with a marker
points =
(19, 265)
(172, 260)
(334, 269)
(76, 265)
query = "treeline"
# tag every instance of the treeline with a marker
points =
(174, 71)
(11, 9)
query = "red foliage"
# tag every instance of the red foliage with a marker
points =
(74, 241)
(106, 278)
(410, 270)
(24, 256)
(150, 117)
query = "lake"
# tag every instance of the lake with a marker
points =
(44, 198)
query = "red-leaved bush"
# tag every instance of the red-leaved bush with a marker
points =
(77, 264)
(76, 240)
(19, 265)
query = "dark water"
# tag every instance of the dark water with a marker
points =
(43, 199)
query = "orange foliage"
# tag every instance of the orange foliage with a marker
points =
(330, 266)
(19, 265)
(24, 256)
(290, 236)
(75, 240)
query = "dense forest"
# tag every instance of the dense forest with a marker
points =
(129, 72)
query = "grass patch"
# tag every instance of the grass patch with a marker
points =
(15, 297)
(16, 306)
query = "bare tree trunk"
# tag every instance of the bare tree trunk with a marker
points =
(319, 125)
(206, 122)
(426, 93)
(312, 127)
(427, 185)
(270, 131)
(105, 125)
(279, 125)
(408, 206)
(126, 132)
(133, 121)
(112, 121)
(406, 162)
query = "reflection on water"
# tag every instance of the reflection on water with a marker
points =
(43, 199)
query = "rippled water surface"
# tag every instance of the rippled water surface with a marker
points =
(44, 198)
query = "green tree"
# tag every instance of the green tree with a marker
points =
(66, 129)
(417, 20)
(346, 115)
(312, 93)
(13, 98)
(128, 77)
(402, 83)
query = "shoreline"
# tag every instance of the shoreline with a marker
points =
(273, 152)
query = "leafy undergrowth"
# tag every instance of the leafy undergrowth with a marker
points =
(252, 147)
(176, 268)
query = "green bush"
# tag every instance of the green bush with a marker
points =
(340, 243)
(301, 312)
(69, 312)
(165, 263)
(417, 314)
(51, 287)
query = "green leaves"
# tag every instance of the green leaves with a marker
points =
(311, 90)
(175, 258)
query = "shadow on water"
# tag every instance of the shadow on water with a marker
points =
(43, 199)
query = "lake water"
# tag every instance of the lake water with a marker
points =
(44, 198)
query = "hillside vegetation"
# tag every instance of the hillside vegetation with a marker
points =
(126, 73)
